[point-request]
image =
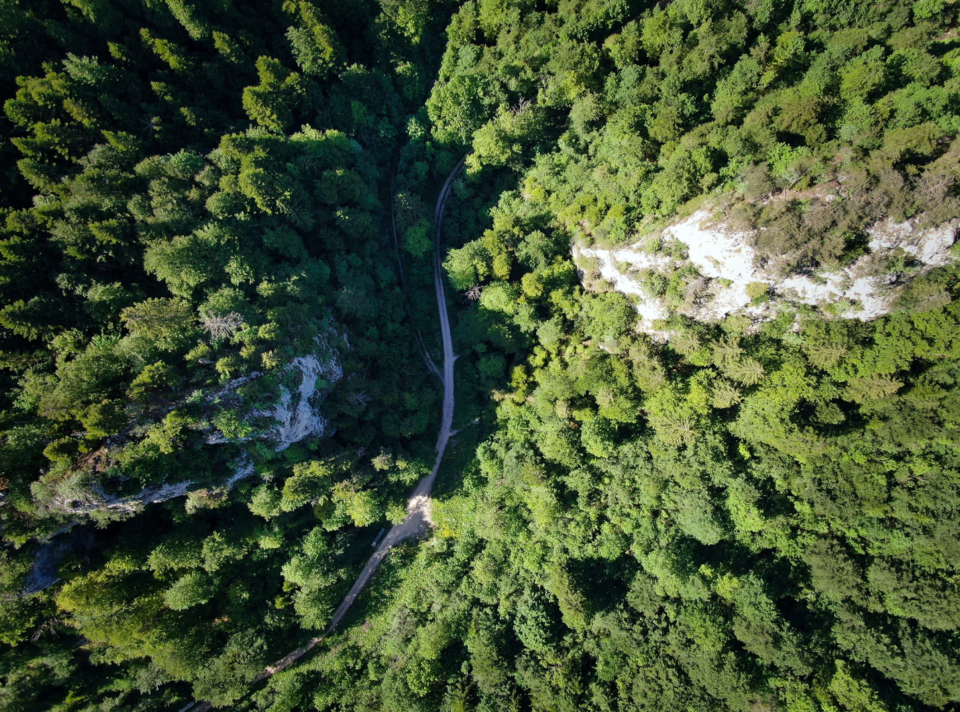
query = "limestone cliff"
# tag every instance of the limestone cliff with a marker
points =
(702, 268)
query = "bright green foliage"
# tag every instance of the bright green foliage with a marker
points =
(272, 103)
(191, 589)
(735, 520)
(202, 202)
(315, 45)
(311, 573)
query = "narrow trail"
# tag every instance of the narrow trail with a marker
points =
(417, 521)
(418, 506)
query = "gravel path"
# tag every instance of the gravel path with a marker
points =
(418, 506)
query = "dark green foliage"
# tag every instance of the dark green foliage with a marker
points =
(191, 201)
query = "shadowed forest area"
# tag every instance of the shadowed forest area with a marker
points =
(213, 389)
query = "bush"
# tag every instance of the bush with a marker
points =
(759, 292)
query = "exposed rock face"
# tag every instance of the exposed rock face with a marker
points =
(726, 264)
(46, 566)
(93, 498)
(295, 414)
(296, 418)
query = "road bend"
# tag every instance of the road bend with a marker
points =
(418, 520)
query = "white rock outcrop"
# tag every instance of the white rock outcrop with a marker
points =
(92, 498)
(726, 263)
(296, 415)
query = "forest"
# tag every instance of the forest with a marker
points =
(218, 326)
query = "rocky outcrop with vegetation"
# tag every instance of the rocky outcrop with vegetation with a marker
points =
(705, 269)
(702, 288)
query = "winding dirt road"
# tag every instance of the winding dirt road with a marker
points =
(418, 506)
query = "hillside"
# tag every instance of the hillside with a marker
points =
(701, 274)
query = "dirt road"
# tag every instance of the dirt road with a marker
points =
(418, 506)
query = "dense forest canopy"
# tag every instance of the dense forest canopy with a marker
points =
(217, 314)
